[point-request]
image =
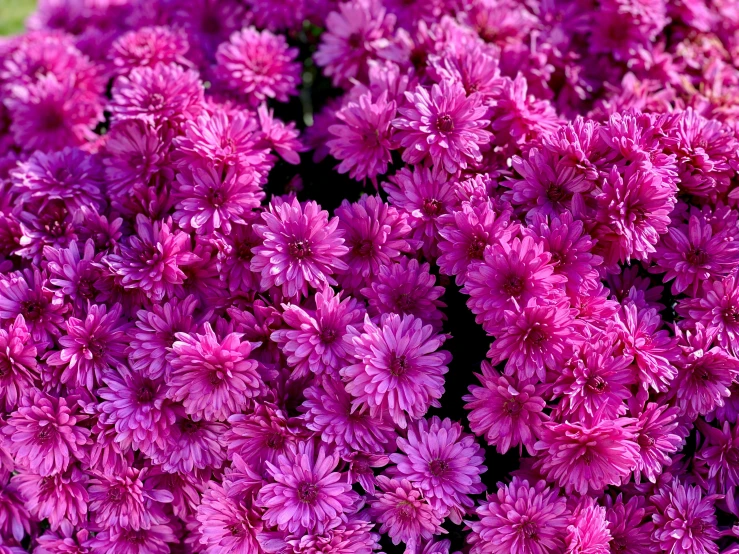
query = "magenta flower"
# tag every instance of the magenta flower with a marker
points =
(91, 347)
(363, 136)
(403, 513)
(443, 462)
(583, 458)
(630, 525)
(258, 65)
(507, 414)
(301, 247)
(658, 437)
(308, 494)
(226, 524)
(154, 540)
(520, 518)
(213, 378)
(588, 533)
(43, 435)
(18, 366)
(315, 341)
(444, 124)
(147, 47)
(191, 446)
(74, 273)
(399, 368)
(354, 537)
(61, 498)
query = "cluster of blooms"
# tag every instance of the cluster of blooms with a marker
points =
(196, 357)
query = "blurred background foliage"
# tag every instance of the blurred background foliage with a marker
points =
(13, 13)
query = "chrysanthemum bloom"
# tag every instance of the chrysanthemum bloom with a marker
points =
(704, 374)
(262, 435)
(125, 499)
(375, 234)
(630, 525)
(511, 274)
(519, 115)
(67, 541)
(285, 16)
(222, 139)
(719, 452)
(654, 351)
(403, 513)
(358, 31)
(60, 498)
(119, 540)
(70, 175)
(399, 370)
(151, 341)
(328, 411)
(535, 338)
(444, 124)
(315, 341)
(14, 516)
(153, 258)
(717, 309)
(425, 195)
(354, 537)
(211, 198)
(164, 93)
(363, 136)
(443, 462)
(227, 525)
(74, 274)
(583, 458)
(28, 294)
(595, 381)
(506, 413)
(10, 549)
(91, 346)
(258, 65)
(138, 408)
(520, 519)
(308, 495)
(18, 367)
(466, 232)
(475, 67)
(634, 210)
(212, 377)
(51, 114)
(43, 434)
(233, 260)
(406, 288)
(684, 522)
(301, 247)
(279, 136)
(588, 533)
(148, 47)
(191, 446)
(692, 253)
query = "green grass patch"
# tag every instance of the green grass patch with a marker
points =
(13, 14)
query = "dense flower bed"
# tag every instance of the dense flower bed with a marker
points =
(253, 252)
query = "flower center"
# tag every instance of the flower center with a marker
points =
(155, 101)
(476, 248)
(354, 41)
(405, 302)
(6, 366)
(406, 511)
(530, 530)
(536, 337)
(556, 193)
(596, 384)
(328, 336)
(146, 393)
(731, 314)
(188, 427)
(31, 310)
(307, 492)
(275, 441)
(363, 248)
(115, 495)
(216, 198)
(438, 467)
(235, 529)
(513, 286)
(644, 440)
(45, 434)
(696, 256)
(445, 123)
(51, 120)
(512, 407)
(299, 249)
(431, 207)
(398, 365)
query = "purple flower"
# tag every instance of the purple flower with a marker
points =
(153, 540)
(399, 368)
(630, 525)
(18, 366)
(227, 525)
(308, 494)
(190, 446)
(61, 498)
(147, 47)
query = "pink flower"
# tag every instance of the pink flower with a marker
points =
(506, 413)
(213, 378)
(521, 519)
(630, 525)
(147, 47)
(403, 513)
(61, 498)
(117, 540)
(308, 494)
(315, 340)
(443, 462)
(363, 136)
(445, 125)
(43, 435)
(258, 65)
(18, 366)
(354, 537)
(582, 458)
(301, 247)
(190, 446)
(226, 524)
(399, 368)
(588, 533)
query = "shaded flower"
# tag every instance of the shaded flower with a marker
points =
(18, 366)
(61, 498)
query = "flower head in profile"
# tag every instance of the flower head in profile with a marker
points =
(212, 377)
(308, 493)
(258, 65)
(444, 125)
(507, 414)
(520, 518)
(442, 461)
(43, 434)
(398, 370)
(403, 513)
(18, 365)
(300, 248)
(587, 458)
